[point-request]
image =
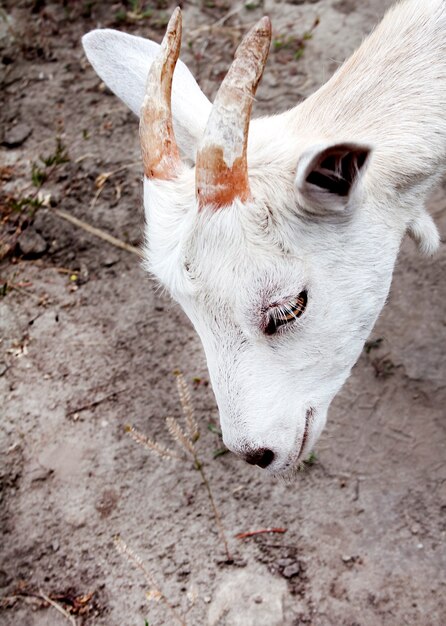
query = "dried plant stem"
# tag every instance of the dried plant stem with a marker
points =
(217, 25)
(188, 410)
(58, 607)
(133, 558)
(24, 292)
(180, 436)
(151, 445)
(186, 440)
(261, 531)
(221, 528)
(102, 179)
(95, 403)
(97, 232)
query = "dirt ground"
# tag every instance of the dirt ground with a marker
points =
(89, 344)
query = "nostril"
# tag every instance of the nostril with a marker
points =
(261, 457)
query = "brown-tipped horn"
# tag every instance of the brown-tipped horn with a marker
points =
(221, 167)
(160, 154)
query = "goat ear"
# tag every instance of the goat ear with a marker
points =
(327, 176)
(122, 61)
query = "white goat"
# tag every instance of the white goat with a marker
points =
(283, 272)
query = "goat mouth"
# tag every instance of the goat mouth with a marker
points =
(292, 467)
(308, 421)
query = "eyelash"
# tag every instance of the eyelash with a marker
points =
(283, 314)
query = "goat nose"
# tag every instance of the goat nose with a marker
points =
(261, 457)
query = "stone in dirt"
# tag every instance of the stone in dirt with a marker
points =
(32, 244)
(291, 570)
(16, 136)
(249, 597)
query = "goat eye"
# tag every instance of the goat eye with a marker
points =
(286, 313)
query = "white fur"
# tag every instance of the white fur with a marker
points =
(226, 268)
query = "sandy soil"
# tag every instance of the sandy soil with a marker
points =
(88, 344)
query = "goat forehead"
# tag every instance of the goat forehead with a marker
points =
(234, 270)
(231, 240)
(242, 278)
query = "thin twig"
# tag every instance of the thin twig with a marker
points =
(133, 558)
(102, 179)
(87, 155)
(180, 436)
(23, 291)
(58, 607)
(45, 266)
(261, 531)
(221, 528)
(217, 23)
(151, 445)
(188, 410)
(33, 599)
(98, 233)
(95, 403)
(187, 442)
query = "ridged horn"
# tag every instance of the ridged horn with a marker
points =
(221, 173)
(160, 154)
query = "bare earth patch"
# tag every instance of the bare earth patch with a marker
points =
(89, 344)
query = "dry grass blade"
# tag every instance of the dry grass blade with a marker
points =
(188, 410)
(58, 607)
(261, 531)
(180, 436)
(164, 453)
(24, 292)
(97, 232)
(185, 441)
(218, 25)
(131, 557)
(102, 179)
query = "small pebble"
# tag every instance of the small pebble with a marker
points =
(110, 260)
(31, 244)
(16, 136)
(291, 570)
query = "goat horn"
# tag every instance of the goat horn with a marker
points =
(160, 154)
(221, 167)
